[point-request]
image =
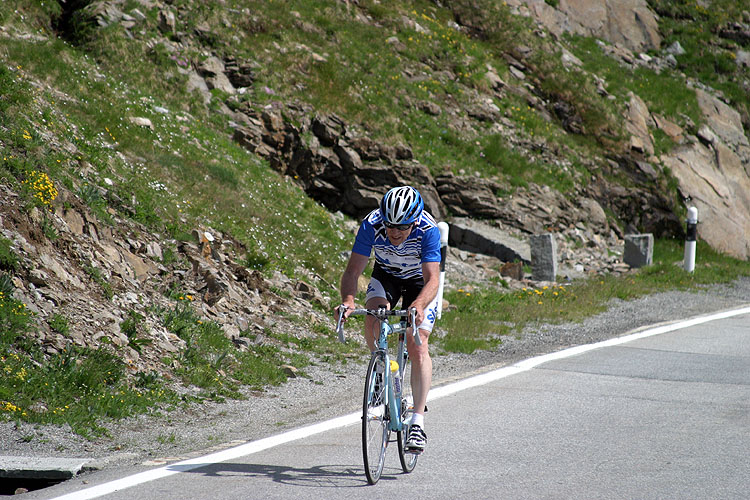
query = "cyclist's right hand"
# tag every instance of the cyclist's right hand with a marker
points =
(342, 311)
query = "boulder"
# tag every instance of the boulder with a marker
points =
(212, 69)
(465, 196)
(167, 22)
(722, 119)
(637, 122)
(480, 237)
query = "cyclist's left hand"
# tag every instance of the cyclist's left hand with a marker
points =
(348, 308)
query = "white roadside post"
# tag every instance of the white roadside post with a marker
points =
(692, 233)
(443, 226)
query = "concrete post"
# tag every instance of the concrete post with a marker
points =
(543, 257)
(639, 250)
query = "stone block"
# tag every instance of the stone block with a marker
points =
(543, 257)
(51, 468)
(480, 237)
(639, 250)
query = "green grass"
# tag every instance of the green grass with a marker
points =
(520, 170)
(85, 388)
(481, 317)
(707, 57)
(8, 258)
(59, 323)
(374, 85)
(72, 386)
(77, 386)
(80, 387)
(168, 179)
(15, 317)
(213, 363)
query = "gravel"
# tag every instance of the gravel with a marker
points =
(333, 391)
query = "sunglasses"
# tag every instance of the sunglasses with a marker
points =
(400, 227)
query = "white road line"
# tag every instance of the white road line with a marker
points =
(335, 423)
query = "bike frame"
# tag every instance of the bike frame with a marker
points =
(375, 438)
(394, 398)
(386, 328)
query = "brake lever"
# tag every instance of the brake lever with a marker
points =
(340, 323)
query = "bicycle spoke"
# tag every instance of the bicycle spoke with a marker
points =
(375, 432)
(408, 460)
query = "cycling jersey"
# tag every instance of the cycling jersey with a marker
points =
(403, 261)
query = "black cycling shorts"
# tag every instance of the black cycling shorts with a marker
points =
(392, 289)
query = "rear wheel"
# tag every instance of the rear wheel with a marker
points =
(375, 432)
(408, 460)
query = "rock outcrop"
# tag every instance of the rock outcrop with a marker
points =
(630, 23)
(713, 170)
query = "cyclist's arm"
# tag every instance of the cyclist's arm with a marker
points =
(354, 268)
(431, 276)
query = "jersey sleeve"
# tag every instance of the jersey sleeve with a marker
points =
(431, 245)
(364, 240)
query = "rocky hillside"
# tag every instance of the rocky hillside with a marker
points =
(218, 154)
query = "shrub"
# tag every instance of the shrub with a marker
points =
(8, 259)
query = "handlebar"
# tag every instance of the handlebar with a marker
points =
(380, 313)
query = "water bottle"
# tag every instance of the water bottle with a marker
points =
(396, 376)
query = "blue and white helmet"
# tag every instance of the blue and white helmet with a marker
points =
(401, 205)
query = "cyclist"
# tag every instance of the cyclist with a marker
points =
(406, 242)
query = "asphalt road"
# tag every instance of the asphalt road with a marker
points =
(660, 416)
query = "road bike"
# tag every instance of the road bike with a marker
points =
(388, 402)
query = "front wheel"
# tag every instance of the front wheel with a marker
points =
(408, 460)
(375, 431)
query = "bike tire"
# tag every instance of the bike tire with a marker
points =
(408, 460)
(375, 431)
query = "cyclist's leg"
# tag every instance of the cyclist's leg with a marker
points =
(421, 371)
(407, 458)
(421, 379)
